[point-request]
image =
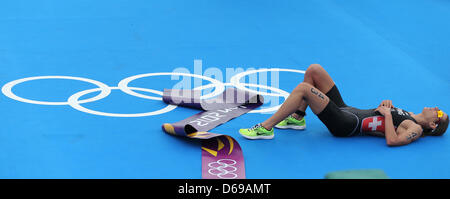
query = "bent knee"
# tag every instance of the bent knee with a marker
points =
(314, 69)
(302, 87)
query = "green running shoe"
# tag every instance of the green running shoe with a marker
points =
(257, 132)
(292, 123)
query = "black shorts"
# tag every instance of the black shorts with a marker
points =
(340, 123)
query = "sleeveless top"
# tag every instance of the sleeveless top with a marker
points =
(370, 120)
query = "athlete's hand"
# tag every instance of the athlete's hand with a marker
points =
(386, 103)
(383, 110)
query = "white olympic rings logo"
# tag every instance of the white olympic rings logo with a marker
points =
(75, 102)
(223, 168)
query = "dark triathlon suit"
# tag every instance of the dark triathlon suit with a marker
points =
(345, 121)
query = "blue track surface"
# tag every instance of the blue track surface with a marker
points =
(374, 50)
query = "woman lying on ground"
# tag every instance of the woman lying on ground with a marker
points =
(398, 126)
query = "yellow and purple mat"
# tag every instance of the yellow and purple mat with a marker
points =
(222, 156)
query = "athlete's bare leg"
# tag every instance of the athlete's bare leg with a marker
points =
(303, 93)
(319, 78)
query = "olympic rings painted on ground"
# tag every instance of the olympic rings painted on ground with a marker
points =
(123, 85)
(73, 101)
(7, 89)
(105, 90)
(235, 80)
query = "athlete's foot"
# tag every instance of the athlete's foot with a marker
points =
(292, 123)
(257, 132)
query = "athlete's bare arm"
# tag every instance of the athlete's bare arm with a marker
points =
(407, 131)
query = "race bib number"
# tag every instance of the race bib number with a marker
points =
(375, 123)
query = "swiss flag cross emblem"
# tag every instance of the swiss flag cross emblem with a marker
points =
(375, 123)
